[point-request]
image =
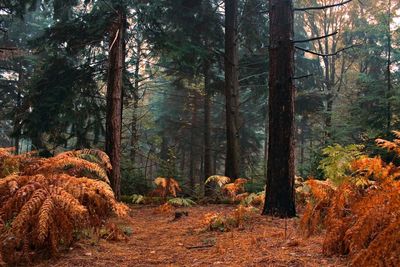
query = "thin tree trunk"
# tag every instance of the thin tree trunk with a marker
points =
(389, 76)
(147, 164)
(183, 161)
(17, 119)
(192, 144)
(232, 163)
(207, 126)
(114, 100)
(280, 198)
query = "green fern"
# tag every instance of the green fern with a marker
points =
(181, 202)
(137, 199)
(337, 161)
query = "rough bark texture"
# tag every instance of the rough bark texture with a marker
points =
(192, 162)
(207, 127)
(231, 90)
(114, 100)
(134, 125)
(280, 198)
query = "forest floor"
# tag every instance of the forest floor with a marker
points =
(159, 240)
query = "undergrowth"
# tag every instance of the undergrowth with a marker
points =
(226, 223)
(44, 201)
(362, 215)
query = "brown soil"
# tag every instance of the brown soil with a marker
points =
(158, 240)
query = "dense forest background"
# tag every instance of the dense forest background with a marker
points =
(55, 62)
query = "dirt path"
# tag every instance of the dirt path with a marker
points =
(157, 240)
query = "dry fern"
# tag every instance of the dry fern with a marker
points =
(218, 179)
(320, 199)
(363, 220)
(166, 186)
(232, 189)
(74, 166)
(226, 223)
(48, 199)
(92, 155)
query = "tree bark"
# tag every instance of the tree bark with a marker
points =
(207, 127)
(232, 163)
(192, 163)
(134, 125)
(280, 198)
(389, 77)
(114, 100)
(17, 118)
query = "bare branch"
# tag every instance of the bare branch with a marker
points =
(324, 55)
(303, 77)
(8, 48)
(315, 38)
(322, 7)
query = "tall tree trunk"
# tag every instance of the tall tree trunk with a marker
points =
(265, 146)
(389, 76)
(17, 118)
(232, 163)
(134, 125)
(207, 126)
(116, 68)
(183, 160)
(280, 198)
(192, 163)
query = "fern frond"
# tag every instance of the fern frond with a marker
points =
(45, 219)
(240, 181)
(30, 208)
(49, 198)
(232, 189)
(374, 169)
(92, 155)
(14, 203)
(75, 167)
(388, 145)
(6, 151)
(67, 202)
(218, 179)
(137, 199)
(168, 186)
(181, 202)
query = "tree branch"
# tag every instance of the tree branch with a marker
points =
(8, 48)
(322, 7)
(315, 38)
(324, 55)
(303, 77)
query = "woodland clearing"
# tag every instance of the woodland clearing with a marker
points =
(159, 240)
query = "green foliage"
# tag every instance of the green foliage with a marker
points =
(132, 180)
(337, 161)
(181, 202)
(137, 199)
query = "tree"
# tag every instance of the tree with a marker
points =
(279, 196)
(231, 61)
(116, 69)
